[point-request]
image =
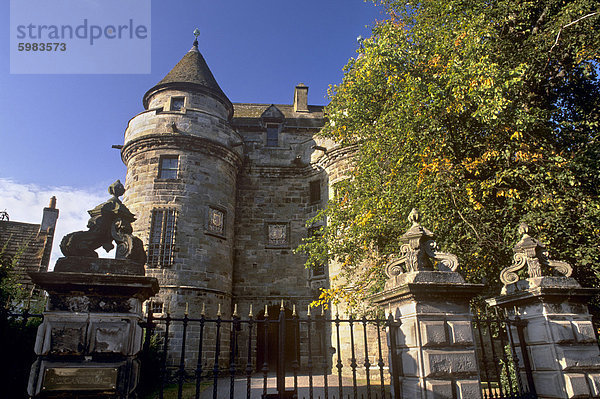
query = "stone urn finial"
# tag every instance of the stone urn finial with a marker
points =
(419, 251)
(531, 252)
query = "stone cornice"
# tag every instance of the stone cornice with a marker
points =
(420, 290)
(336, 154)
(153, 142)
(280, 171)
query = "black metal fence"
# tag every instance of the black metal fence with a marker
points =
(504, 365)
(316, 357)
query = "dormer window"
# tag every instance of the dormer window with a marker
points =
(177, 103)
(272, 135)
(272, 119)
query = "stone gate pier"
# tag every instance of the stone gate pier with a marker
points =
(432, 347)
(88, 343)
(561, 345)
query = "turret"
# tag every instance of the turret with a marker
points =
(182, 160)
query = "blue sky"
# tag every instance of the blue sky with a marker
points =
(56, 131)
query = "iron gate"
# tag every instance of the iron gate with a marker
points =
(338, 358)
(504, 365)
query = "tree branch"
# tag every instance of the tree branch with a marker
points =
(463, 218)
(569, 24)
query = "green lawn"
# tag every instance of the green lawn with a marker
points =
(170, 391)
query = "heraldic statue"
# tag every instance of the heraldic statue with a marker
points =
(109, 221)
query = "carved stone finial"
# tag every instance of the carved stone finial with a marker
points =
(534, 254)
(419, 251)
(109, 221)
(523, 229)
(414, 217)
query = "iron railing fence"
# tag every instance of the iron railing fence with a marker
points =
(227, 356)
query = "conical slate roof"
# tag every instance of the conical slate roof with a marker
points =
(191, 73)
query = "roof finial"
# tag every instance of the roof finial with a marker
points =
(196, 34)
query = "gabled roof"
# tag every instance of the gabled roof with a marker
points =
(191, 73)
(34, 244)
(250, 115)
(272, 113)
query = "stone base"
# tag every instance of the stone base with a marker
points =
(80, 264)
(90, 337)
(61, 285)
(55, 379)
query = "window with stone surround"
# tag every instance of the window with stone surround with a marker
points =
(215, 221)
(272, 135)
(177, 103)
(278, 234)
(315, 191)
(168, 167)
(162, 238)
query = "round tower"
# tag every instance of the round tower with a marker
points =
(182, 159)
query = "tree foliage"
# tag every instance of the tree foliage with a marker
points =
(480, 114)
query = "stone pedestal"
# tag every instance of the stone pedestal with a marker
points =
(434, 350)
(559, 335)
(88, 343)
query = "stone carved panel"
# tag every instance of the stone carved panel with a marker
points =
(65, 339)
(443, 363)
(277, 235)
(110, 338)
(216, 221)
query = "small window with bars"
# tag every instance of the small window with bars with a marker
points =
(156, 307)
(162, 238)
(272, 135)
(169, 165)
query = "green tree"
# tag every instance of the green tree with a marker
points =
(481, 115)
(10, 291)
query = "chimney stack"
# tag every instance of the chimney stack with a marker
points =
(301, 98)
(49, 217)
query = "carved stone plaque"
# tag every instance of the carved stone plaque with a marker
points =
(80, 379)
(277, 234)
(216, 221)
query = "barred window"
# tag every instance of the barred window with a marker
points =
(156, 307)
(162, 238)
(169, 164)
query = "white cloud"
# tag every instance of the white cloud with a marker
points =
(26, 202)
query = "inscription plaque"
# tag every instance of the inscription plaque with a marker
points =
(79, 379)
